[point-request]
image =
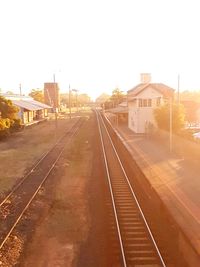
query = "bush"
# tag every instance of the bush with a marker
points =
(16, 125)
(162, 117)
(4, 128)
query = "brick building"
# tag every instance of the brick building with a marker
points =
(51, 94)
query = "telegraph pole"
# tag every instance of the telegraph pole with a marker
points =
(76, 91)
(170, 124)
(20, 89)
(178, 90)
(55, 108)
(70, 115)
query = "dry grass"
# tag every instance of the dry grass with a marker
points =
(20, 151)
(65, 224)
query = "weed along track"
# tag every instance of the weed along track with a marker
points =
(18, 200)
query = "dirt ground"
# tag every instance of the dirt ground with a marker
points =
(66, 224)
(19, 152)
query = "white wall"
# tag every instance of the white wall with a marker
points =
(139, 117)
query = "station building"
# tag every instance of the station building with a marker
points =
(143, 99)
(30, 110)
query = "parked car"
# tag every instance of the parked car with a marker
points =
(196, 135)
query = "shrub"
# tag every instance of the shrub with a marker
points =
(4, 128)
(16, 125)
(162, 117)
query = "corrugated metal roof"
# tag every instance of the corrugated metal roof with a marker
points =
(42, 105)
(26, 104)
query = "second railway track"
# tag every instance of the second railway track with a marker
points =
(18, 200)
(136, 241)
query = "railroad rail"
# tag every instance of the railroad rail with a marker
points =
(14, 205)
(136, 241)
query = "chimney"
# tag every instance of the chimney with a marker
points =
(145, 77)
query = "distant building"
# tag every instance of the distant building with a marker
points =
(142, 100)
(51, 94)
(30, 110)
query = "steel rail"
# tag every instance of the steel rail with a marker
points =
(112, 196)
(44, 155)
(134, 196)
(38, 188)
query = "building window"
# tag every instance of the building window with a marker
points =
(158, 101)
(145, 102)
(149, 102)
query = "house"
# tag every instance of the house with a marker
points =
(142, 100)
(30, 110)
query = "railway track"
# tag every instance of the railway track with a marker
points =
(137, 245)
(14, 205)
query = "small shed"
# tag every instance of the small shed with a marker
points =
(30, 110)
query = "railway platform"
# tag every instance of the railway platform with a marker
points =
(176, 182)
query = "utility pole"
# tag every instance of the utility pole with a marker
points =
(55, 106)
(178, 90)
(170, 124)
(77, 102)
(76, 91)
(70, 115)
(20, 89)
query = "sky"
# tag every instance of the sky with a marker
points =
(98, 45)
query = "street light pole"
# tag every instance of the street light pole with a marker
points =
(178, 90)
(55, 109)
(170, 124)
(76, 102)
(70, 116)
(20, 89)
(76, 91)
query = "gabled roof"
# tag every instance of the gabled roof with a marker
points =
(39, 104)
(160, 87)
(26, 102)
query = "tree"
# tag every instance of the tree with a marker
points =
(190, 96)
(162, 117)
(102, 98)
(7, 109)
(37, 94)
(191, 108)
(8, 117)
(117, 97)
(83, 99)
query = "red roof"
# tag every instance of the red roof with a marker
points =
(160, 87)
